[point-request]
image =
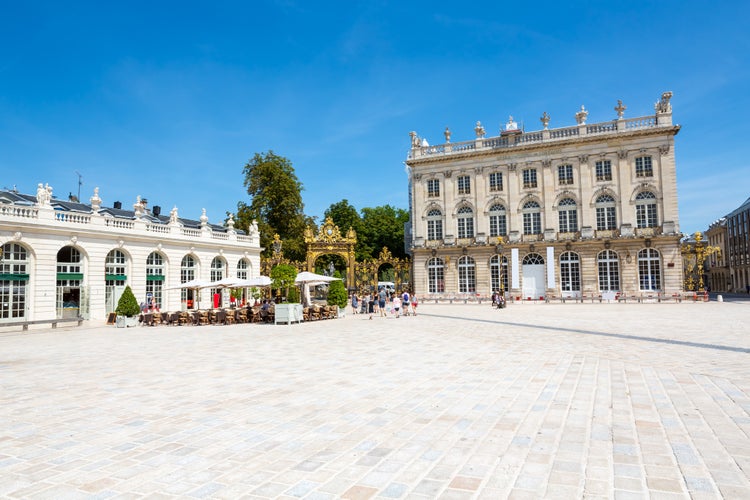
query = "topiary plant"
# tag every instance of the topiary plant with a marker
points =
(337, 294)
(127, 305)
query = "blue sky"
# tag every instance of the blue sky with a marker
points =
(169, 100)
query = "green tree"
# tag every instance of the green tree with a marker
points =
(383, 226)
(128, 304)
(276, 203)
(345, 216)
(282, 277)
(337, 294)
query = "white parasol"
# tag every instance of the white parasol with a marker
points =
(306, 278)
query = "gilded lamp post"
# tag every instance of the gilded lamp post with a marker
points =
(694, 256)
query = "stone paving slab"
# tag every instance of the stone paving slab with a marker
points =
(462, 401)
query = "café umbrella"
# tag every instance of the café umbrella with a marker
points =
(306, 278)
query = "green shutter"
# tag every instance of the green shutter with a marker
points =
(154, 277)
(115, 277)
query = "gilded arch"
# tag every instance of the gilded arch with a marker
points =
(329, 241)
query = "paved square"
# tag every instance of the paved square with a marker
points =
(462, 401)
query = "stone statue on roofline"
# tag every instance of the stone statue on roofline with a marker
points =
(663, 105)
(96, 202)
(581, 116)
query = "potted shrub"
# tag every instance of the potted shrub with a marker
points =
(337, 296)
(127, 309)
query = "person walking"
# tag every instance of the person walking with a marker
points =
(355, 303)
(382, 296)
(414, 303)
(397, 306)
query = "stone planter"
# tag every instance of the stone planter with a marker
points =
(126, 321)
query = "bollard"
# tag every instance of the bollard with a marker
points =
(719, 298)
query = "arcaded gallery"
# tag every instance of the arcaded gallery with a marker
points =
(583, 210)
(61, 258)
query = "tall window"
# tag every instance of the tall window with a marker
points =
(69, 279)
(529, 178)
(643, 167)
(570, 272)
(645, 209)
(115, 277)
(465, 222)
(568, 215)
(435, 275)
(498, 223)
(433, 188)
(532, 218)
(605, 213)
(649, 270)
(242, 267)
(609, 271)
(467, 275)
(496, 181)
(434, 224)
(499, 273)
(155, 278)
(565, 174)
(464, 184)
(187, 273)
(604, 170)
(14, 279)
(217, 273)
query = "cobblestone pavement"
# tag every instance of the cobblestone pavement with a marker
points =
(462, 401)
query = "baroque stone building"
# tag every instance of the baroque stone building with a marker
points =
(584, 210)
(63, 258)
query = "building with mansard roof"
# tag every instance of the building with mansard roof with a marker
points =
(588, 210)
(63, 258)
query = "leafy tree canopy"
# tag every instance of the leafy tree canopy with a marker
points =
(276, 203)
(383, 226)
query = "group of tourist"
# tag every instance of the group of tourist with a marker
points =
(384, 303)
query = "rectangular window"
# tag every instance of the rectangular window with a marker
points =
(433, 188)
(604, 170)
(565, 174)
(434, 229)
(529, 178)
(643, 167)
(605, 218)
(532, 223)
(496, 181)
(464, 184)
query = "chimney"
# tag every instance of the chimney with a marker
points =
(117, 205)
(156, 210)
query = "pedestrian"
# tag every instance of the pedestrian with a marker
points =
(405, 301)
(381, 301)
(355, 303)
(414, 303)
(397, 306)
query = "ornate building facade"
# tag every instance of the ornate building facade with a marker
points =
(585, 210)
(738, 248)
(65, 259)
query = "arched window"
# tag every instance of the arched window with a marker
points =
(115, 278)
(14, 280)
(567, 212)
(649, 270)
(155, 279)
(467, 275)
(217, 269)
(242, 267)
(465, 222)
(499, 273)
(570, 272)
(187, 273)
(435, 275)
(645, 209)
(606, 217)
(498, 221)
(434, 224)
(533, 258)
(532, 218)
(609, 271)
(69, 279)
